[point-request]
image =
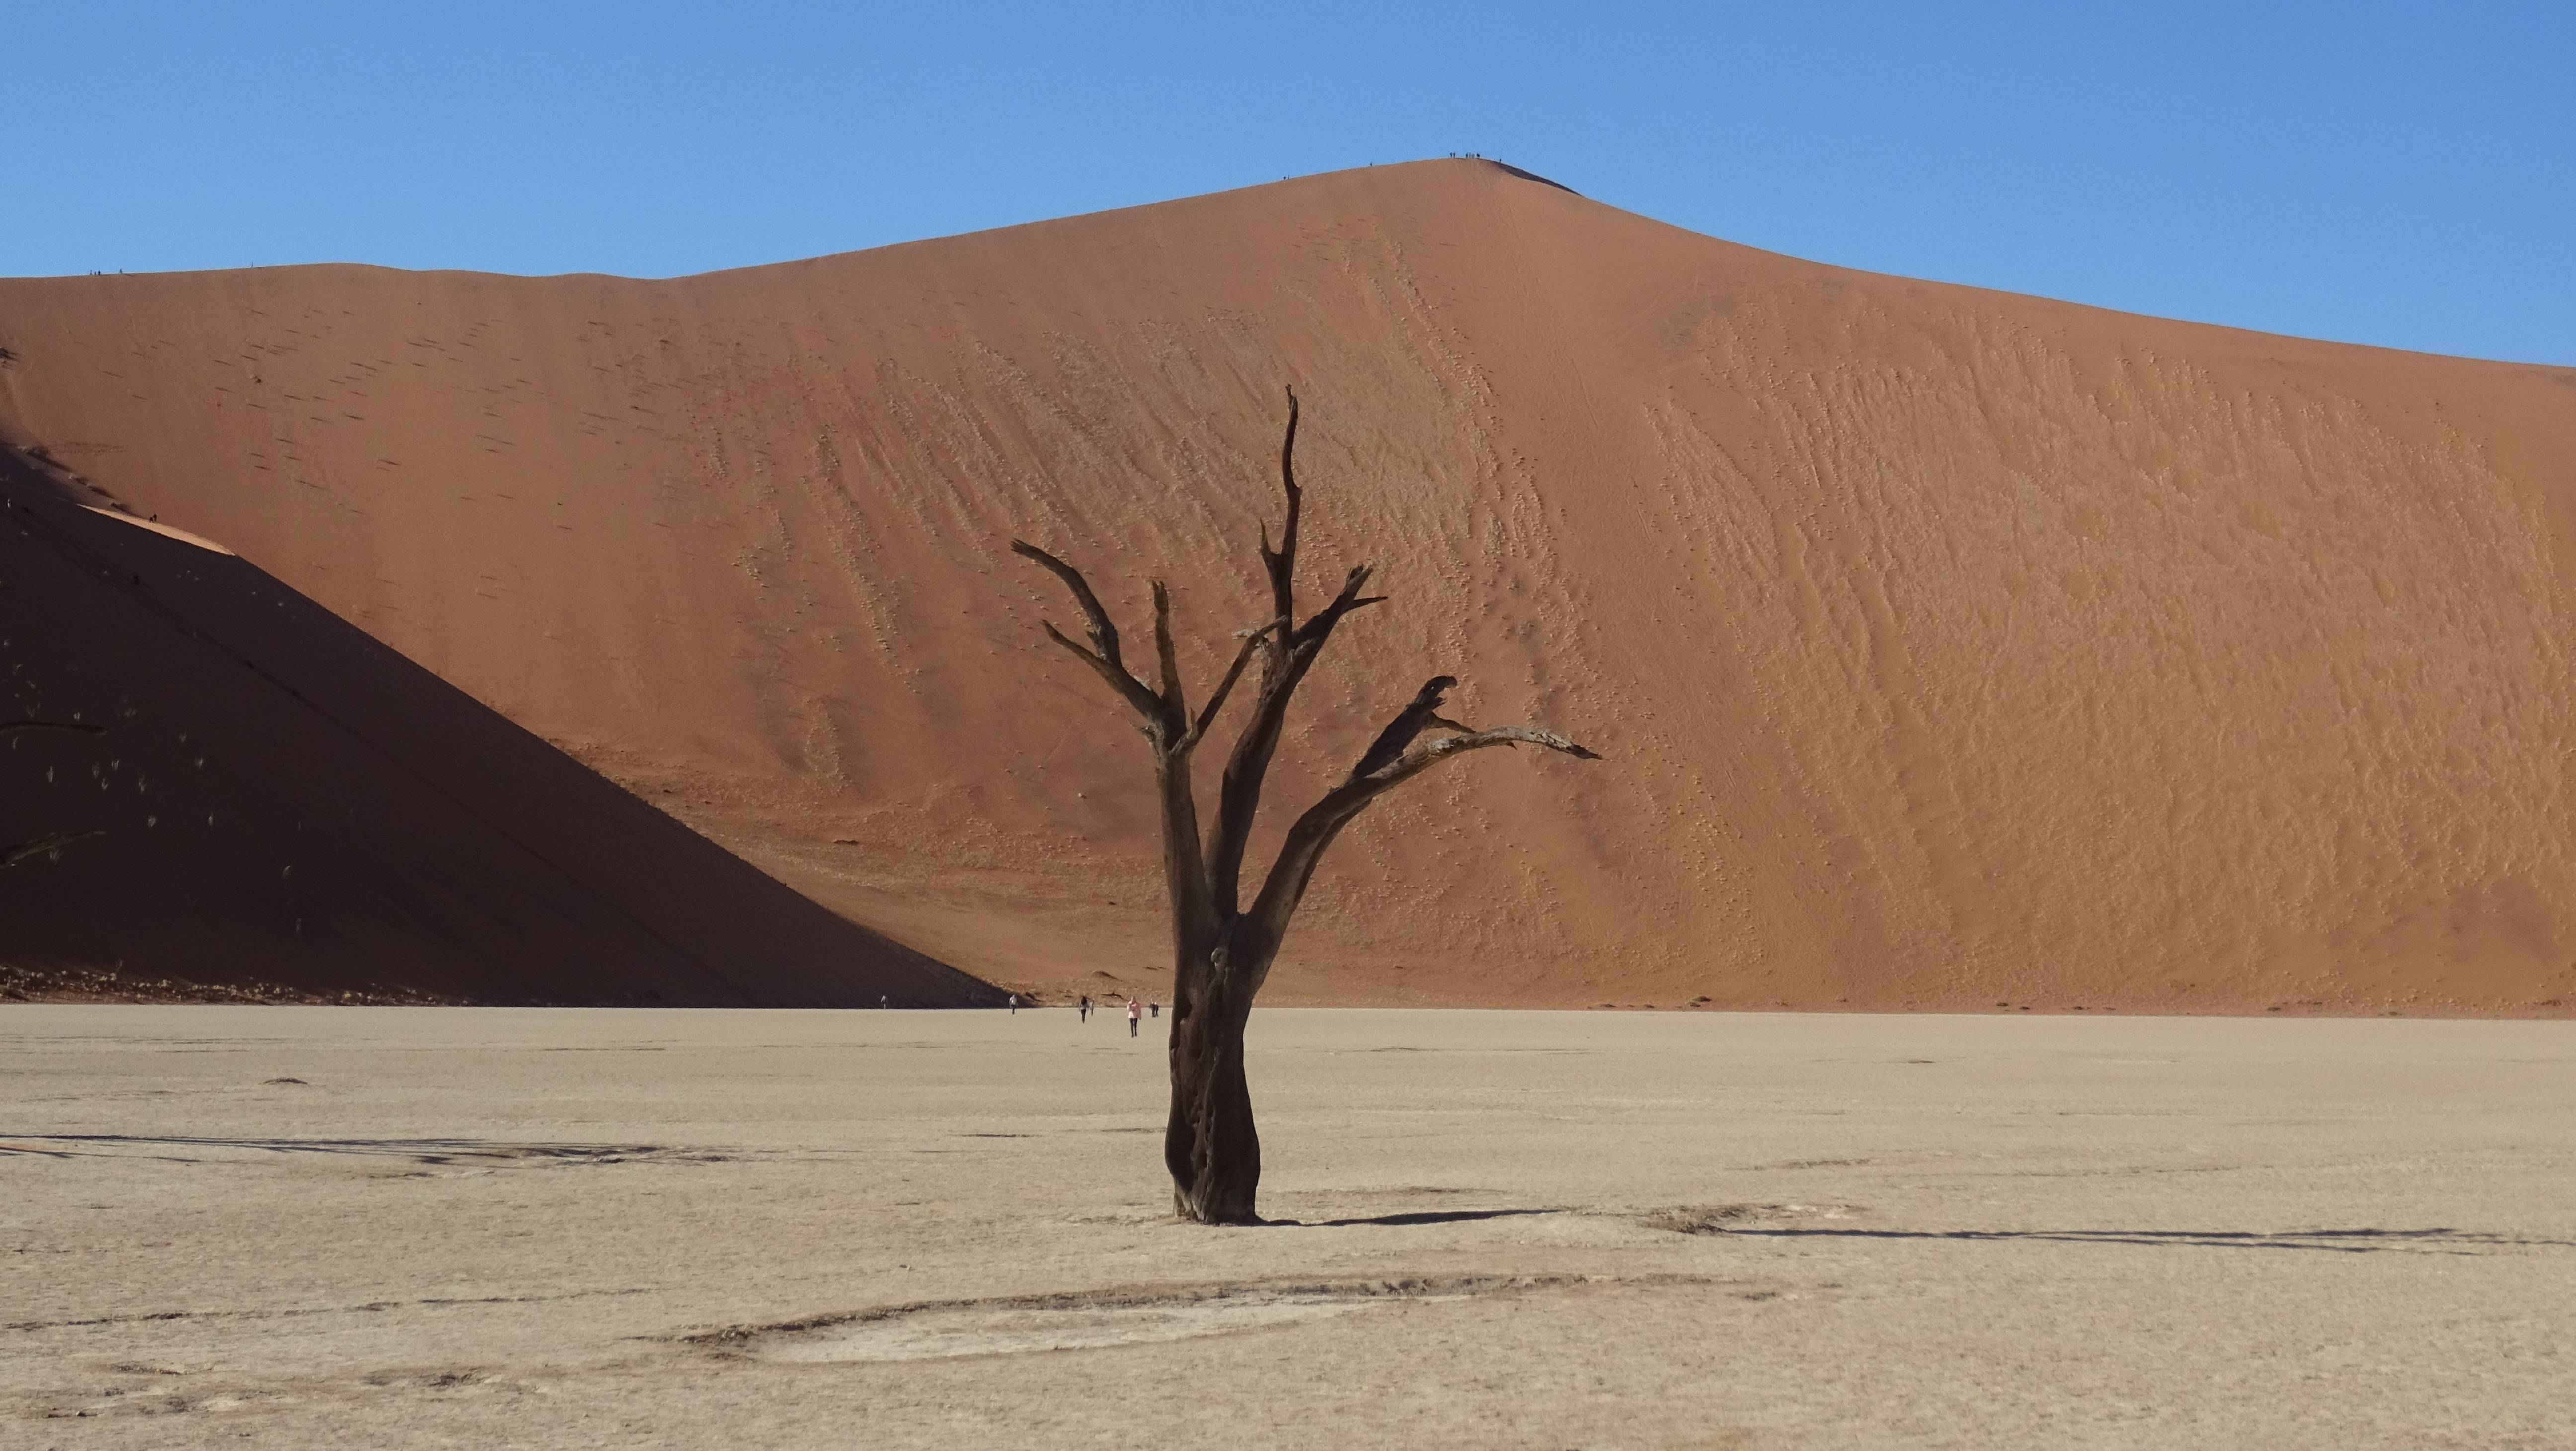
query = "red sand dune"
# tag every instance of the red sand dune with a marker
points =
(1950, 649)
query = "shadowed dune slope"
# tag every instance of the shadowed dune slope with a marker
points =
(278, 800)
(1949, 648)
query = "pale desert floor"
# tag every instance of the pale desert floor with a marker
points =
(396, 1227)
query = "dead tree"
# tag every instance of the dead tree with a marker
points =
(49, 845)
(1222, 948)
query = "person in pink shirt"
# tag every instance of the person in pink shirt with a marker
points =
(1131, 1017)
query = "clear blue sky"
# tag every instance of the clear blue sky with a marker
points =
(2394, 174)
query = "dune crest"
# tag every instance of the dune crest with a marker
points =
(1952, 649)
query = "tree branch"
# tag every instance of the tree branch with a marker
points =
(1239, 799)
(1409, 722)
(44, 846)
(1207, 714)
(1129, 688)
(1281, 563)
(1175, 704)
(1104, 635)
(1166, 723)
(1314, 832)
(81, 726)
(1343, 603)
(1289, 649)
(1431, 753)
(1103, 656)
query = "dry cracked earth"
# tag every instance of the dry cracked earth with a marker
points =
(417, 1227)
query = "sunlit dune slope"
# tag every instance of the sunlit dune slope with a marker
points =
(276, 801)
(1948, 649)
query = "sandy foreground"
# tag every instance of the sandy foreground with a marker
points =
(434, 1227)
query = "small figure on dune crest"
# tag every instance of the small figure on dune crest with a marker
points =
(1222, 948)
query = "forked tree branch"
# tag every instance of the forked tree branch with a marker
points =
(1292, 654)
(1239, 798)
(1104, 635)
(1409, 722)
(1103, 656)
(1281, 563)
(1289, 649)
(1396, 757)
(1343, 603)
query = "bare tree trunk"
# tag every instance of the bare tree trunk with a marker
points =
(1221, 951)
(1210, 1145)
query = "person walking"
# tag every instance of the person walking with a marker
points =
(1131, 1017)
(1015, 1005)
(1083, 1008)
(1153, 1010)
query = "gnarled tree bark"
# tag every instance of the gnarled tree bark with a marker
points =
(1221, 949)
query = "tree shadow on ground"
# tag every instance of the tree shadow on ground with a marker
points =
(420, 1151)
(1442, 1216)
(2333, 1241)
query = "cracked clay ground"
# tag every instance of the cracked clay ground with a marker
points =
(400, 1227)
